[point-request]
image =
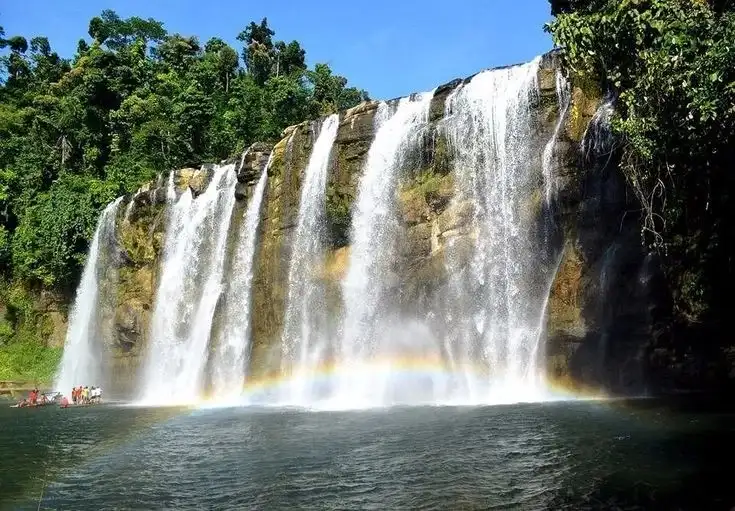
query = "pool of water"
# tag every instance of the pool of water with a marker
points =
(579, 455)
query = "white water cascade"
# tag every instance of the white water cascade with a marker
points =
(83, 361)
(129, 208)
(497, 297)
(368, 320)
(229, 367)
(190, 283)
(563, 99)
(304, 338)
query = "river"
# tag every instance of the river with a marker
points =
(638, 454)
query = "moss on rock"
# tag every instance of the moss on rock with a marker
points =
(141, 236)
(565, 300)
(338, 215)
(279, 214)
(425, 196)
(586, 98)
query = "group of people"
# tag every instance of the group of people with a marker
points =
(86, 395)
(35, 398)
(79, 396)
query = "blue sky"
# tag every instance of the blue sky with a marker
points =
(388, 47)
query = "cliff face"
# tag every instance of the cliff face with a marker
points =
(600, 311)
(603, 304)
(607, 302)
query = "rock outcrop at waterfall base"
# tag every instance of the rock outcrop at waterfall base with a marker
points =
(607, 304)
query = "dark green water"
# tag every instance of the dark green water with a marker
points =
(574, 455)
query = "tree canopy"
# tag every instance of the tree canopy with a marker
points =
(133, 101)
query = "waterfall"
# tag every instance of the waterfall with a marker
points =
(598, 140)
(190, 283)
(233, 347)
(374, 235)
(445, 293)
(83, 361)
(563, 99)
(497, 297)
(129, 208)
(304, 333)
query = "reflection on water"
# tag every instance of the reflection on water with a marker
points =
(38, 444)
(542, 456)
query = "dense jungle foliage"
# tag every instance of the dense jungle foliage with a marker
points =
(670, 67)
(133, 101)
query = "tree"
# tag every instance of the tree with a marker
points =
(221, 60)
(330, 93)
(256, 52)
(289, 59)
(263, 58)
(254, 33)
(17, 44)
(47, 65)
(16, 66)
(115, 33)
(178, 52)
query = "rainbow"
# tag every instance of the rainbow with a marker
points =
(264, 389)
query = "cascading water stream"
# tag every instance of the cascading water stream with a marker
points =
(374, 235)
(229, 368)
(305, 333)
(496, 299)
(190, 284)
(129, 208)
(563, 98)
(598, 139)
(84, 349)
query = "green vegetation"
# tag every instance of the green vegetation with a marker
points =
(24, 355)
(338, 206)
(671, 65)
(132, 102)
(428, 183)
(29, 362)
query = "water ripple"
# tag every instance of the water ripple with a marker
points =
(526, 457)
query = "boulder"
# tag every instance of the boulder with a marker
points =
(194, 179)
(252, 163)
